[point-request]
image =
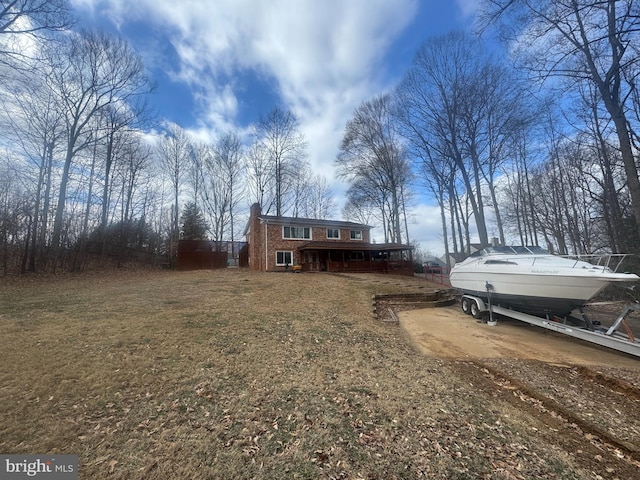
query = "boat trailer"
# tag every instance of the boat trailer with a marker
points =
(617, 337)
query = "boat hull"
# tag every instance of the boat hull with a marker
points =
(529, 279)
(534, 294)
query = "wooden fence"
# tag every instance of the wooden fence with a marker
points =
(199, 255)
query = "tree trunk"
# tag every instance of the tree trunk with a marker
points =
(629, 167)
(445, 234)
(107, 176)
(62, 198)
(496, 209)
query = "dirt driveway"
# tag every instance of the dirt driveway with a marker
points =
(448, 333)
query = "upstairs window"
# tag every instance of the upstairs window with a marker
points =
(355, 234)
(333, 233)
(296, 232)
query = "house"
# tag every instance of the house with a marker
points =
(281, 243)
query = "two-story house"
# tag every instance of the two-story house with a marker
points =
(280, 243)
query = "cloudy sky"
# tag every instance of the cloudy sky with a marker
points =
(220, 64)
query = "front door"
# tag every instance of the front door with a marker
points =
(311, 258)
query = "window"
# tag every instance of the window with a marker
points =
(333, 233)
(284, 258)
(356, 256)
(296, 232)
(356, 234)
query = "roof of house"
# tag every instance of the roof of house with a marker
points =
(354, 246)
(435, 260)
(311, 222)
(458, 256)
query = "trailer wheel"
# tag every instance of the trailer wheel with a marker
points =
(466, 303)
(475, 311)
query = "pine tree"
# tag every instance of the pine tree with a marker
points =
(194, 226)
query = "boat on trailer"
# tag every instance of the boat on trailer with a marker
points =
(531, 280)
(531, 285)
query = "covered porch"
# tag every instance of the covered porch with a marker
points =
(361, 258)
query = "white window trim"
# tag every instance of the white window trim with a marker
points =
(351, 237)
(290, 252)
(333, 238)
(295, 226)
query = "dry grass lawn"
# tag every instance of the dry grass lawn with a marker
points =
(232, 374)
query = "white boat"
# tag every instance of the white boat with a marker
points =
(531, 280)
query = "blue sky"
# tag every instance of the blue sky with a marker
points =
(219, 64)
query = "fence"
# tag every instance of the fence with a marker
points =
(199, 255)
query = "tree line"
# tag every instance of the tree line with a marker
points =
(535, 146)
(86, 168)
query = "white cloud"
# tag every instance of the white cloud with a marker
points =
(324, 57)
(469, 8)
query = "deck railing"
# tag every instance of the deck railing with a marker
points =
(612, 261)
(438, 276)
(398, 267)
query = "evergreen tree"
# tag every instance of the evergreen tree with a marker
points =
(194, 226)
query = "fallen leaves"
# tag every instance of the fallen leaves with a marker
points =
(209, 387)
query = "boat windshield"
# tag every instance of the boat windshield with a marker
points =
(517, 250)
(531, 249)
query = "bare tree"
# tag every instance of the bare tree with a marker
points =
(92, 72)
(195, 172)
(461, 112)
(311, 195)
(32, 16)
(300, 191)
(320, 201)
(174, 152)
(26, 23)
(34, 124)
(115, 123)
(279, 134)
(9, 212)
(438, 177)
(494, 114)
(373, 157)
(223, 184)
(260, 176)
(365, 200)
(359, 212)
(581, 40)
(517, 192)
(433, 97)
(89, 203)
(560, 198)
(135, 157)
(607, 170)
